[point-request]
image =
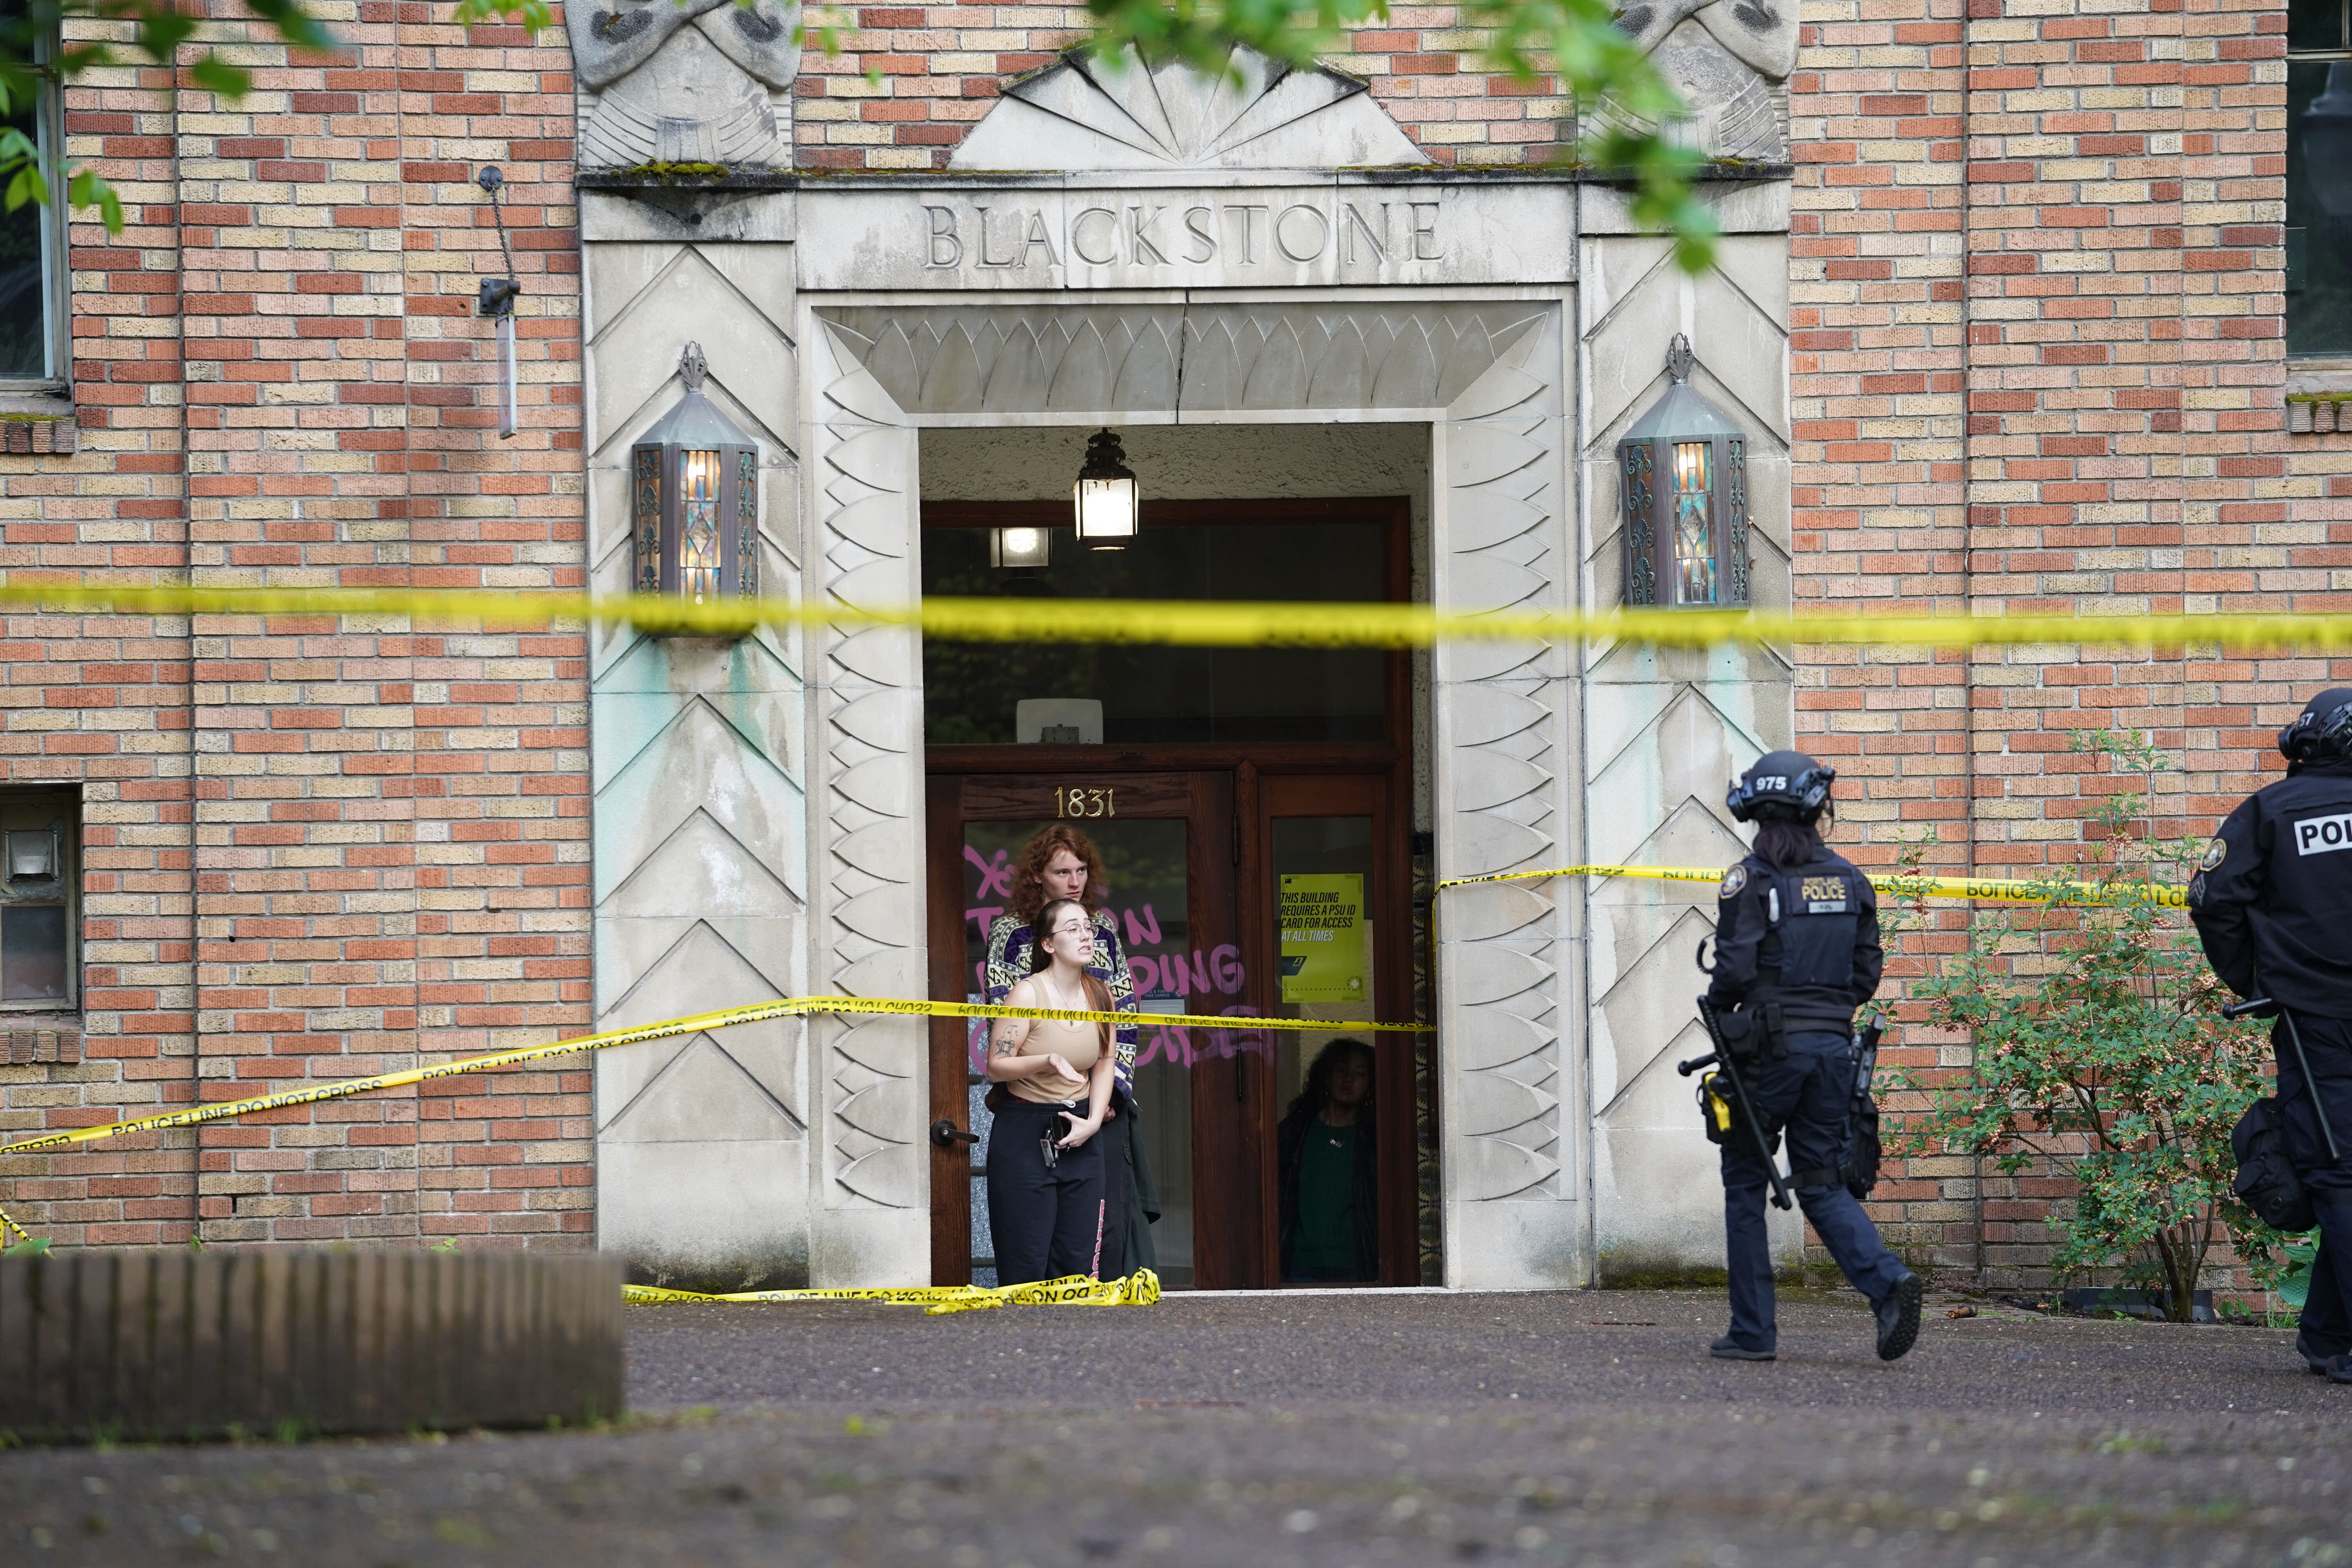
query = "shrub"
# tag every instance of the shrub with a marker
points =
(2098, 1046)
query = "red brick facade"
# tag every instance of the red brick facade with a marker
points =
(2039, 366)
(313, 850)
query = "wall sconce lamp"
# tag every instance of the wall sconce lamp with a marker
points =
(1105, 495)
(1683, 469)
(694, 499)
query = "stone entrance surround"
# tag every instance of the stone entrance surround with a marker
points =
(758, 827)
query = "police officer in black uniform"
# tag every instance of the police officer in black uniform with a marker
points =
(1796, 951)
(2272, 903)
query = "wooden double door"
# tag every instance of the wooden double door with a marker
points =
(1244, 890)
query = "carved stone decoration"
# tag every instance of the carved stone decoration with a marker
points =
(1085, 112)
(683, 81)
(1506, 772)
(1197, 359)
(1664, 728)
(873, 1219)
(1728, 59)
(610, 38)
(698, 758)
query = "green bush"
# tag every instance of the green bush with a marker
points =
(2099, 1051)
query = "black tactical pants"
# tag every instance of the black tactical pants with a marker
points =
(2327, 1043)
(1807, 1093)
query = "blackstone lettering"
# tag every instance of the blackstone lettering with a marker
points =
(943, 225)
(1078, 240)
(1150, 236)
(1284, 229)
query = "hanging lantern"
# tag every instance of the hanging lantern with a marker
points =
(694, 499)
(1105, 496)
(1683, 471)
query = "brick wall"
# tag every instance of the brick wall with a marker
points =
(315, 849)
(910, 80)
(2039, 365)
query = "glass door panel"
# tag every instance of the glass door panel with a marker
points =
(1326, 937)
(1335, 933)
(1144, 862)
(1164, 840)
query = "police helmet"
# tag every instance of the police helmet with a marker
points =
(1785, 786)
(2323, 730)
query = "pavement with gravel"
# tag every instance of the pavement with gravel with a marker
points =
(1331, 1428)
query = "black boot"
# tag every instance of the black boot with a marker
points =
(1898, 1318)
(1729, 1348)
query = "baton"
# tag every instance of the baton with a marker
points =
(1722, 1058)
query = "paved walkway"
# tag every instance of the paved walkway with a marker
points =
(1329, 1429)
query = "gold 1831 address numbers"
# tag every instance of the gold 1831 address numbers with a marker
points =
(1081, 801)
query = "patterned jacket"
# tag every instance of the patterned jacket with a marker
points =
(1011, 946)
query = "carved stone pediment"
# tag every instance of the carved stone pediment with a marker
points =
(1728, 59)
(610, 38)
(1085, 113)
(684, 82)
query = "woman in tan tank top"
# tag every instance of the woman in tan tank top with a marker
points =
(1045, 1187)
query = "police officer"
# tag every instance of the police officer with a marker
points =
(1796, 951)
(2272, 903)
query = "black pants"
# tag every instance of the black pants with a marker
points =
(1807, 1093)
(1047, 1220)
(2327, 1042)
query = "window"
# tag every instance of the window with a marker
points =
(2319, 177)
(40, 883)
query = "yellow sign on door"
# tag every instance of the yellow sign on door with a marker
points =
(1322, 921)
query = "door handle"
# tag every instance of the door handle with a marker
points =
(947, 1135)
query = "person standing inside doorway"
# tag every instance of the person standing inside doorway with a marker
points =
(1045, 1192)
(1328, 1155)
(1796, 951)
(1060, 862)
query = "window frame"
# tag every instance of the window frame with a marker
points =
(2330, 360)
(66, 816)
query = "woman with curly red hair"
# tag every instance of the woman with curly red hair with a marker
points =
(1060, 862)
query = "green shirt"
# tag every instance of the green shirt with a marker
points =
(1327, 1199)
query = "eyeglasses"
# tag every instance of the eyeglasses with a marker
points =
(1070, 927)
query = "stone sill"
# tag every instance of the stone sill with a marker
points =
(28, 1040)
(36, 418)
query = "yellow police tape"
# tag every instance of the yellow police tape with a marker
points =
(1977, 889)
(1140, 1289)
(1194, 622)
(1981, 889)
(789, 1006)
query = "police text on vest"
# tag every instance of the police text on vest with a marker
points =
(2320, 835)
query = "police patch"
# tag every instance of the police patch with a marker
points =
(2215, 853)
(1733, 880)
